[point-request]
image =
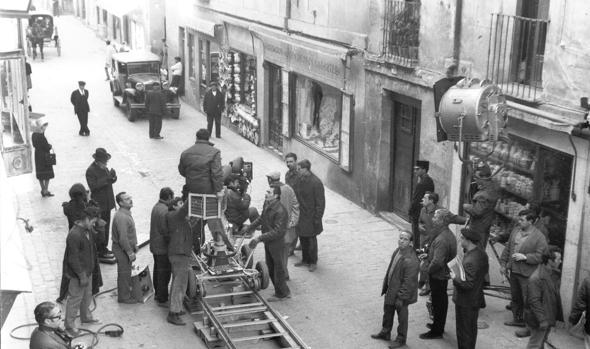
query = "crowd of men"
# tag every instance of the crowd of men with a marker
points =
(293, 210)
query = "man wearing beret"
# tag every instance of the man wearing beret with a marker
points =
(100, 181)
(79, 99)
(468, 296)
(400, 290)
(423, 184)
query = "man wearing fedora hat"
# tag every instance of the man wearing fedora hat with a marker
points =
(213, 105)
(79, 99)
(100, 180)
(423, 184)
(468, 295)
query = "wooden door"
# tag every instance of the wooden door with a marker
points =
(406, 114)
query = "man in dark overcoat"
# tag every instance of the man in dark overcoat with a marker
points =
(79, 99)
(213, 105)
(100, 181)
(159, 239)
(468, 296)
(155, 105)
(423, 184)
(312, 203)
(400, 290)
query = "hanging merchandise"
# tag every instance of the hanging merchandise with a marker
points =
(241, 94)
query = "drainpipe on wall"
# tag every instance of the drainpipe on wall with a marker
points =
(457, 31)
(287, 15)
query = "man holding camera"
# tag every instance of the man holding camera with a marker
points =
(100, 180)
(238, 202)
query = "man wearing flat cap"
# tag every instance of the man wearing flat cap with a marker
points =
(213, 105)
(290, 203)
(468, 295)
(79, 99)
(400, 287)
(100, 180)
(423, 184)
(481, 208)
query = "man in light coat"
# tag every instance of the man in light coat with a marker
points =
(124, 246)
(400, 290)
(289, 201)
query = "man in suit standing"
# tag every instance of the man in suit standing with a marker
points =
(155, 104)
(423, 184)
(400, 290)
(79, 99)
(213, 105)
(124, 246)
(468, 296)
(522, 254)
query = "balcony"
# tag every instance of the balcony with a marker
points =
(515, 55)
(401, 27)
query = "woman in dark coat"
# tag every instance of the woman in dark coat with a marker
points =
(44, 170)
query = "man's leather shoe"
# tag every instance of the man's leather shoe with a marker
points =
(424, 292)
(515, 323)
(509, 306)
(91, 321)
(182, 312)
(298, 247)
(274, 298)
(174, 319)
(163, 304)
(301, 264)
(525, 332)
(396, 344)
(429, 325)
(430, 335)
(158, 137)
(312, 267)
(382, 335)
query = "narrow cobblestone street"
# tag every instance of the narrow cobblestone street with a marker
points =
(338, 306)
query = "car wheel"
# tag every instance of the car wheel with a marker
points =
(131, 115)
(175, 113)
(116, 102)
(245, 253)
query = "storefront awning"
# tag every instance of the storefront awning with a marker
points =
(119, 8)
(206, 27)
(14, 8)
(540, 117)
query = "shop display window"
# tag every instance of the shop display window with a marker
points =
(525, 174)
(208, 64)
(191, 55)
(318, 115)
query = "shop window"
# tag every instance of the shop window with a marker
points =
(208, 64)
(528, 174)
(237, 76)
(318, 115)
(191, 55)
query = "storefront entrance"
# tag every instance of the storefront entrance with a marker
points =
(275, 116)
(405, 141)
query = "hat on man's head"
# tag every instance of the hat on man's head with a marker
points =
(483, 171)
(470, 235)
(101, 154)
(232, 177)
(213, 83)
(82, 83)
(274, 176)
(423, 164)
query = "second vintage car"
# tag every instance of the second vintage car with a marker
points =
(135, 73)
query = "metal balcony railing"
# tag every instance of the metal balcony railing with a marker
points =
(401, 27)
(515, 55)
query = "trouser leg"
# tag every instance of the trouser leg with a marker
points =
(415, 231)
(210, 119)
(63, 288)
(81, 122)
(151, 125)
(218, 125)
(76, 295)
(278, 275)
(162, 272)
(538, 338)
(466, 323)
(158, 125)
(305, 258)
(102, 246)
(388, 316)
(586, 341)
(402, 327)
(313, 250)
(85, 314)
(123, 273)
(440, 303)
(516, 294)
(180, 270)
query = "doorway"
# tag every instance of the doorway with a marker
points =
(275, 115)
(404, 150)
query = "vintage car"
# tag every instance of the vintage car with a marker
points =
(134, 73)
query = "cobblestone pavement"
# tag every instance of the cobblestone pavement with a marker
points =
(338, 306)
